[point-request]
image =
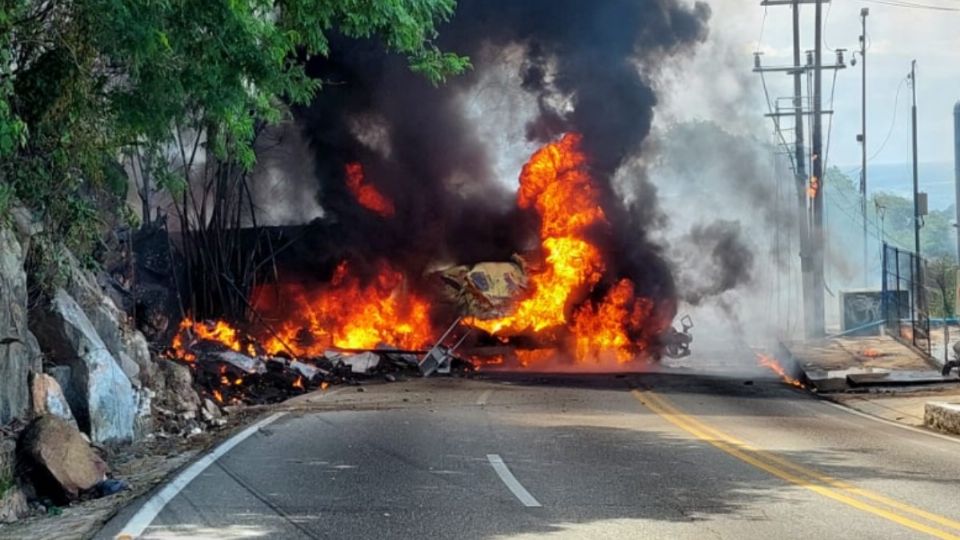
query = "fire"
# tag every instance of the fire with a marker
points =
(217, 331)
(813, 187)
(346, 313)
(298, 384)
(367, 195)
(556, 184)
(870, 352)
(535, 357)
(600, 330)
(771, 363)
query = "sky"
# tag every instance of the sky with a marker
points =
(717, 83)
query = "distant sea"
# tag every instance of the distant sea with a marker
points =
(937, 179)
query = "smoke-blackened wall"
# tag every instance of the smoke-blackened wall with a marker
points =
(585, 67)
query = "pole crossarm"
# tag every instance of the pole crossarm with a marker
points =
(804, 113)
(789, 2)
(791, 70)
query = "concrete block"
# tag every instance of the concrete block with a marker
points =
(942, 416)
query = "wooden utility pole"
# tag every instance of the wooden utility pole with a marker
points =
(809, 187)
(817, 328)
(799, 152)
(806, 267)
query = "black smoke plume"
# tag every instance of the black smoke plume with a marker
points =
(716, 260)
(588, 66)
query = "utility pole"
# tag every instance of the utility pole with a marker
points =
(809, 188)
(817, 328)
(916, 182)
(863, 139)
(919, 297)
(806, 269)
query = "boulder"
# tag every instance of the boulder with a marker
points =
(143, 421)
(19, 354)
(124, 342)
(48, 398)
(13, 505)
(177, 393)
(139, 351)
(102, 396)
(58, 460)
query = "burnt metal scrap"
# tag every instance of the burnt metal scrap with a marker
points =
(676, 343)
(233, 377)
(440, 358)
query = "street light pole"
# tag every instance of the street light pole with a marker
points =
(916, 198)
(863, 139)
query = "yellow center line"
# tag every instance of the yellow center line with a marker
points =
(797, 474)
(839, 484)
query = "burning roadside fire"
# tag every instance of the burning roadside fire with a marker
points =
(555, 183)
(217, 331)
(345, 313)
(772, 364)
(870, 352)
(813, 187)
(367, 195)
(572, 306)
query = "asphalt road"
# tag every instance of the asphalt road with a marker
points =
(677, 453)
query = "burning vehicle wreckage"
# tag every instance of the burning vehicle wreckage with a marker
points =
(561, 303)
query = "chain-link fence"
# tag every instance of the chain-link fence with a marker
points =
(905, 306)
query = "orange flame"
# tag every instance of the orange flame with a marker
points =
(556, 184)
(298, 384)
(535, 357)
(217, 396)
(345, 313)
(870, 352)
(367, 195)
(771, 363)
(813, 187)
(600, 330)
(218, 331)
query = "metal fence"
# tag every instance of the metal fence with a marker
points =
(905, 307)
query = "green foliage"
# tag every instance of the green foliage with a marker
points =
(84, 83)
(941, 283)
(6, 201)
(224, 65)
(936, 235)
(6, 482)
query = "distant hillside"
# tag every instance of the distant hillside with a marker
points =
(937, 179)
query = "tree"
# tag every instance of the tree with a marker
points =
(936, 234)
(82, 83)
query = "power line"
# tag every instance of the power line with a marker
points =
(826, 23)
(826, 152)
(893, 121)
(911, 5)
(783, 140)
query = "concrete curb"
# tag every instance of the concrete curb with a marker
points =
(942, 416)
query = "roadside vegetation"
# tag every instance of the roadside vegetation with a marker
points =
(93, 93)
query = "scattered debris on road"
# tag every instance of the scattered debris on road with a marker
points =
(232, 369)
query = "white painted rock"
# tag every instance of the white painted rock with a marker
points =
(103, 396)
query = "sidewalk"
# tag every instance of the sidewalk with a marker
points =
(842, 364)
(882, 377)
(897, 406)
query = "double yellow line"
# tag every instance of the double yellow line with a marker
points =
(861, 499)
